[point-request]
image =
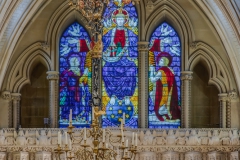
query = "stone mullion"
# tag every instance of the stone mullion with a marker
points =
(186, 77)
(7, 96)
(232, 95)
(16, 97)
(53, 77)
(223, 101)
(142, 85)
(228, 113)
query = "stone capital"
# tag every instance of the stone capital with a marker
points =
(186, 75)
(143, 46)
(223, 97)
(16, 96)
(53, 75)
(6, 95)
(232, 94)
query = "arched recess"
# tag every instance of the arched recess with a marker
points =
(219, 74)
(20, 72)
(34, 105)
(175, 16)
(205, 107)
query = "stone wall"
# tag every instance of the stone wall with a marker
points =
(178, 144)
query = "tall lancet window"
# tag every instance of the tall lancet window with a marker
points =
(120, 64)
(164, 104)
(75, 77)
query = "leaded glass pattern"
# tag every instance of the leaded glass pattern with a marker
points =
(164, 104)
(75, 77)
(120, 64)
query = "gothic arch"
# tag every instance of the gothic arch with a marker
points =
(20, 73)
(218, 72)
(15, 23)
(174, 15)
(60, 20)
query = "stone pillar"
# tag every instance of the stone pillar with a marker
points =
(16, 97)
(170, 155)
(7, 96)
(193, 155)
(232, 95)
(43, 155)
(143, 83)
(53, 77)
(186, 77)
(148, 155)
(3, 155)
(20, 156)
(223, 103)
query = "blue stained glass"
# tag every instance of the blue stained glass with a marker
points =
(164, 102)
(75, 77)
(120, 64)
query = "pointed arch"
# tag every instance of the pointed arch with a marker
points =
(20, 72)
(219, 73)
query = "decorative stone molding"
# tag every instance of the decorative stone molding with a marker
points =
(193, 45)
(16, 97)
(6, 95)
(232, 95)
(186, 77)
(52, 75)
(45, 46)
(143, 46)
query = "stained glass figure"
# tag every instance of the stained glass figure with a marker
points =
(164, 78)
(75, 77)
(120, 64)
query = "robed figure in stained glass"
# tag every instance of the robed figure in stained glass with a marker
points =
(166, 97)
(119, 70)
(75, 77)
(164, 70)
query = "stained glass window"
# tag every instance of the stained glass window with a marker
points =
(164, 78)
(120, 64)
(75, 77)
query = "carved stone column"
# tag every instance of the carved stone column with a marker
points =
(53, 77)
(3, 155)
(148, 155)
(170, 155)
(223, 97)
(186, 77)
(16, 97)
(7, 96)
(143, 83)
(232, 95)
